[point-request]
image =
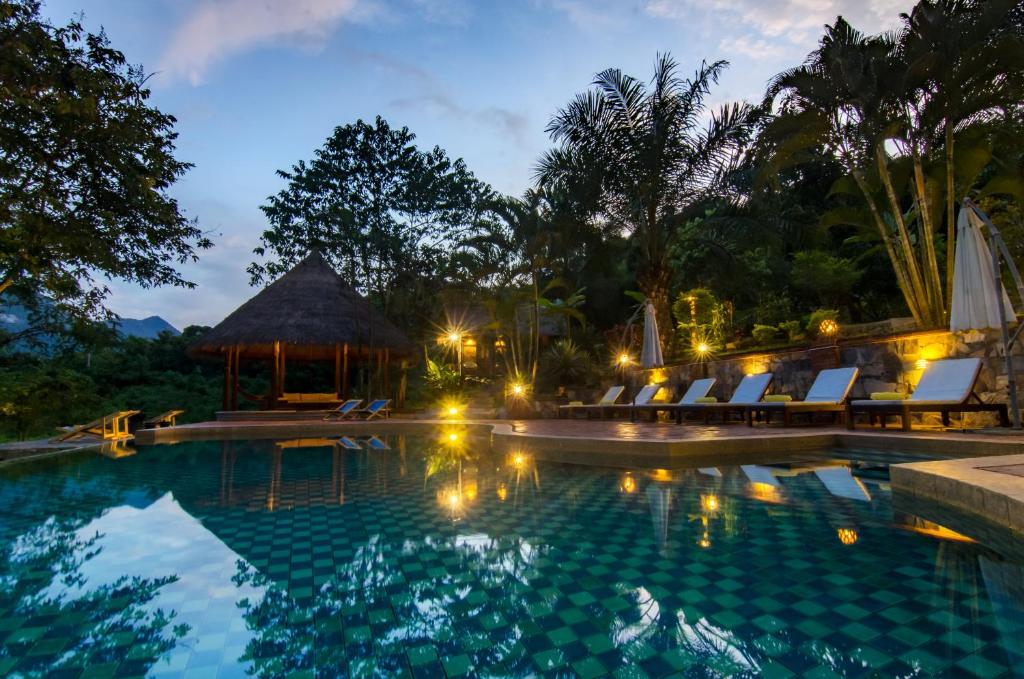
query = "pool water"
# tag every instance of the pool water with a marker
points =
(422, 557)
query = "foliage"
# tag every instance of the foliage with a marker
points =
(763, 334)
(86, 165)
(565, 363)
(793, 330)
(910, 115)
(36, 398)
(829, 278)
(701, 317)
(647, 150)
(441, 379)
(385, 213)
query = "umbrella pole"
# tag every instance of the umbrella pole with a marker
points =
(1004, 329)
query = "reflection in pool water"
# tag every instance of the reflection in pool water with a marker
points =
(436, 555)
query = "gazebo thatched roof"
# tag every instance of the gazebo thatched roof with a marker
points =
(310, 310)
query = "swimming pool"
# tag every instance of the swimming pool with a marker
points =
(405, 556)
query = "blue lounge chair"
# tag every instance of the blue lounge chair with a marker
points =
(378, 408)
(344, 410)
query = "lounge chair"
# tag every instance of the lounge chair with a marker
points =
(344, 410)
(945, 387)
(609, 398)
(377, 408)
(167, 419)
(347, 443)
(828, 394)
(642, 398)
(109, 427)
(749, 392)
(698, 389)
(375, 443)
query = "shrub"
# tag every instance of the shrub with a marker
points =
(763, 334)
(565, 363)
(793, 330)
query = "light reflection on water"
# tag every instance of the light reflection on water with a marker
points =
(439, 555)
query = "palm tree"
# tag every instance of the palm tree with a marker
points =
(964, 61)
(885, 106)
(651, 153)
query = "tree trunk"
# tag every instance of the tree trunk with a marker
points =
(907, 249)
(932, 281)
(902, 279)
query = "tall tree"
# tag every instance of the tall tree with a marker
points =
(653, 156)
(891, 108)
(384, 212)
(85, 168)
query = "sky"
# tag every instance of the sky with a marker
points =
(257, 85)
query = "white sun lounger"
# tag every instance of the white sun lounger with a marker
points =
(945, 387)
(828, 394)
(609, 398)
(697, 389)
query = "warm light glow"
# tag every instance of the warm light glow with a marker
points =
(934, 530)
(502, 492)
(453, 437)
(709, 503)
(921, 363)
(453, 337)
(628, 484)
(470, 490)
(828, 327)
(453, 499)
(661, 475)
(705, 542)
(624, 359)
(518, 460)
(453, 411)
(658, 376)
(703, 348)
(764, 492)
(847, 536)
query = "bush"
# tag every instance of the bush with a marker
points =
(565, 363)
(763, 334)
(793, 330)
(829, 278)
(773, 308)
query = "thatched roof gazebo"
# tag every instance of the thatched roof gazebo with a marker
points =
(310, 314)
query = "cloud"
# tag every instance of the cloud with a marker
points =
(756, 48)
(216, 29)
(797, 22)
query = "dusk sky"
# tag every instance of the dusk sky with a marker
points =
(257, 85)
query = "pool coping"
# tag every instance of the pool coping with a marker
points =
(969, 484)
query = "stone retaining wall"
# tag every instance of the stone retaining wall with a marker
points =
(886, 364)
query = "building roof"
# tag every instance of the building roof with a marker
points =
(310, 310)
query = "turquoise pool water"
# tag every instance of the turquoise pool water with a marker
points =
(426, 558)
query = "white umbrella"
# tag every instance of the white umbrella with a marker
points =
(650, 356)
(975, 298)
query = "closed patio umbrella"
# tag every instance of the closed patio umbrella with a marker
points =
(650, 355)
(975, 297)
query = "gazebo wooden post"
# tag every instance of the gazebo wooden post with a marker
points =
(284, 369)
(344, 373)
(387, 373)
(226, 400)
(403, 381)
(274, 375)
(234, 379)
(337, 370)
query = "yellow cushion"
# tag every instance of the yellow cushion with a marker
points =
(887, 396)
(777, 398)
(705, 399)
